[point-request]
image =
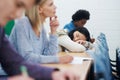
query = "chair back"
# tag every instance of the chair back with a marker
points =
(118, 61)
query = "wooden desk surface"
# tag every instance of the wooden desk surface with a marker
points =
(81, 69)
(74, 54)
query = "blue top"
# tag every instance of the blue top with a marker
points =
(31, 47)
(70, 26)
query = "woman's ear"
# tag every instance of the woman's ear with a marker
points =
(40, 9)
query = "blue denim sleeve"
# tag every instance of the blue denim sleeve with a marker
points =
(101, 57)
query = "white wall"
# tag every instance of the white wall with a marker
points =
(105, 17)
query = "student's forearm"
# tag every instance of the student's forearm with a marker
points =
(51, 46)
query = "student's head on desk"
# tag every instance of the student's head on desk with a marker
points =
(11, 9)
(79, 34)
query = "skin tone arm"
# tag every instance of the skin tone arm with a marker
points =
(65, 59)
(87, 44)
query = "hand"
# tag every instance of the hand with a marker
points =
(20, 77)
(81, 42)
(65, 59)
(54, 24)
(92, 40)
(65, 75)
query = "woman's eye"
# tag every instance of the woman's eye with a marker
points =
(19, 5)
(51, 4)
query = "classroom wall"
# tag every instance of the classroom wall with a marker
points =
(105, 17)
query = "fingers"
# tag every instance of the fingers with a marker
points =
(65, 75)
(53, 18)
(81, 42)
(70, 58)
(71, 75)
(66, 59)
(54, 22)
(58, 75)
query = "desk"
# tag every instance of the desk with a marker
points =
(85, 70)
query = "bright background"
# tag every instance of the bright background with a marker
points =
(105, 17)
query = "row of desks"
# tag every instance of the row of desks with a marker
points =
(85, 70)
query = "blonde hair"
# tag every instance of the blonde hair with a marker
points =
(34, 15)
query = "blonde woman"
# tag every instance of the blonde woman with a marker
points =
(29, 36)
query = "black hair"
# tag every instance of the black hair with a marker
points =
(37, 1)
(81, 14)
(82, 30)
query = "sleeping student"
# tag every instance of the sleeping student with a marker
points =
(77, 40)
(79, 19)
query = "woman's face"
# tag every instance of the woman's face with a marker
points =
(78, 36)
(81, 23)
(11, 9)
(48, 9)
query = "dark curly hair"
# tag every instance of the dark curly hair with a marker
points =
(81, 14)
(82, 30)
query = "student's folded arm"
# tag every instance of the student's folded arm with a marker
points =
(72, 46)
(88, 45)
(50, 44)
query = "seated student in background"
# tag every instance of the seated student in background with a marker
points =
(81, 36)
(29, 36)
(77, 40)
(79, 19)
(11, 61)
